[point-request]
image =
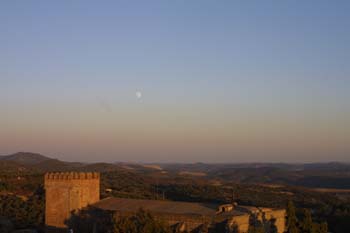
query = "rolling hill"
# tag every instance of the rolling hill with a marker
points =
(26, 158)
(317, 175)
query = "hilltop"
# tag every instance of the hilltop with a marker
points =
(27, 161)
(314, 175)
(25, 158)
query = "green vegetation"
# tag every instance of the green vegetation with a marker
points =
(20, 201)
(305, 225)
(107, 222)
(142, 222)
(23, 213)
(291, 221)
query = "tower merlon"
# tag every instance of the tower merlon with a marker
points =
(72, 175)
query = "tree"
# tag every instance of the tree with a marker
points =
(307, 225)
(255, 226)
(256, 229)
(319, 228)
(141, 222)
(291, 220)
(324, 227)
(272, 225)
(89, 220)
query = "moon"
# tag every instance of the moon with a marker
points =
(138, 94)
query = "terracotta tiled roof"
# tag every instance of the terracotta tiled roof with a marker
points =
(157, 206)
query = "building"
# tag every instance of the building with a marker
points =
(66, 192)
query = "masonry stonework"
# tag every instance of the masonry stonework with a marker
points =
(242, 222)
(69, 191)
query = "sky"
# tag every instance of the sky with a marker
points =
(176, 81)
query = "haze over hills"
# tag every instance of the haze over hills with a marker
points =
(25, 158)
(41, 163)
(30, 158)
(316, 175)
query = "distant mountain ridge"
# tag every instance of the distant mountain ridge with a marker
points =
(318, 175)
(25, 158)
(40, 163)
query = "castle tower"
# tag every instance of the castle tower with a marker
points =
(68, 191)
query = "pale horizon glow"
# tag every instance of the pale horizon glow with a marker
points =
(179, 81)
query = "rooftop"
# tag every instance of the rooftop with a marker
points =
(159, 206)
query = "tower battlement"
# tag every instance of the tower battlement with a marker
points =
(69, 191)
(72, 176)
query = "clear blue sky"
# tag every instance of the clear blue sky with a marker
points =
(221, 81)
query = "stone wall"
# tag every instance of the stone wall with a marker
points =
(190, 222)
(239, 222)
(242, 222)
(278, 215)
(68, 191)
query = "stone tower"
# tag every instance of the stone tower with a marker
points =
(68, 191)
